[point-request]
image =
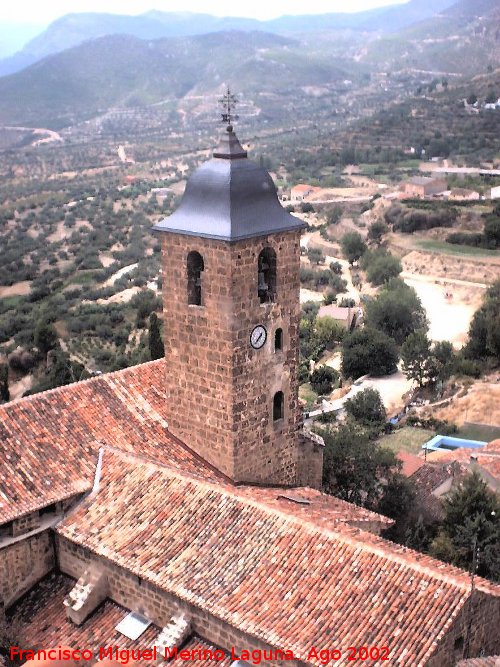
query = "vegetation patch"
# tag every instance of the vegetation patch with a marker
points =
(406, 439)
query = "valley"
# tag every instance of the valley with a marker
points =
(88, 168)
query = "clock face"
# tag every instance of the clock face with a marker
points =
(258, 337)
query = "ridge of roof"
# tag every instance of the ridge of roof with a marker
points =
(377, 545)
(49, 441)
(65, 387)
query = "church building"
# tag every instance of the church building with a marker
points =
(177, 504)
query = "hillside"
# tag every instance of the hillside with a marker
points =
(125, 71)
(437, 123)
(74, 29)
(462, 39)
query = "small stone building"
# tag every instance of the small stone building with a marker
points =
(424, 186)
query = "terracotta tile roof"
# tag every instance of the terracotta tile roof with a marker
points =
(275, 576)
(43, 624)
(411, 463)
(302, 187)
(49, 442)
(337, 312)
(315, 507)
(486, 458)
(430, 477)
(492, 661)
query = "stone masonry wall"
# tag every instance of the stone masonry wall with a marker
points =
(129, 591)
(25, 524)
(482, 615)
(219, 389)
(22, 564)
(309, 463)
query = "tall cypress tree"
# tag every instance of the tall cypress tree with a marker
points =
(156, 348)
(4, 383)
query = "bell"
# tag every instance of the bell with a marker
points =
(263, 286)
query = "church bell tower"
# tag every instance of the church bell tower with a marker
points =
(230, 265)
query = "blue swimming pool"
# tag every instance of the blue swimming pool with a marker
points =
(446, 442)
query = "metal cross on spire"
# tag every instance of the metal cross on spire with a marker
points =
(228, 101)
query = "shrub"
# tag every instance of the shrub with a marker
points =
(315, 256)
(367, 408)
(411, 220)
(322, 379)
(383, 268)
(462, 238)
(368, 351)
(353, 246)
(337, 283)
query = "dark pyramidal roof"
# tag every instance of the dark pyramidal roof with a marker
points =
(229, 198)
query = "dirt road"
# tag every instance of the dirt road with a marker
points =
(449, 316)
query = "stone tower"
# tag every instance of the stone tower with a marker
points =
(230, 264)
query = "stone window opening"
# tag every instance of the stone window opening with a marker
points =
(278, 340)
(195, 266)
(266, 274)
(278, 406)
(7, 529)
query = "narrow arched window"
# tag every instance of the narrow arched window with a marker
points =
(278, 405)
(278, 340)
(195, 266)
(266, 267)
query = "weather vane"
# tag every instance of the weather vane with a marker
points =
(228, 101)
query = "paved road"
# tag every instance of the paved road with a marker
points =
(391, 388)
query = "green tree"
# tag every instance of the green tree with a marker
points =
(367, 408)
(484, 330)
(383, 268)
(397, 500)
(472, 99)
(397, 311)
(60, 371)
(472, 519)
(492, 230)
(322, 379)
(368, 351)
(444, 353)
(155, 343)
(45, 337)
(353, 246)
(329, 332)
(307, 207)
(377, 231)
(418, 535)
(333, 217)
(491, 97)
(355, 468)
(418, 362)
(315, 256)
(4, 383)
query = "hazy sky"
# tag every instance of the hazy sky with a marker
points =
(46, 11)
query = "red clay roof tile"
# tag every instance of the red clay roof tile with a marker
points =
(279, 577)
(49, 442)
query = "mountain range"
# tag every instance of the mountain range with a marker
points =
(74, 29)
(123, 70)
